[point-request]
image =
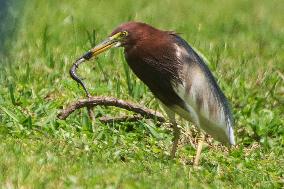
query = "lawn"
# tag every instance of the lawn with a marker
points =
(243, 41)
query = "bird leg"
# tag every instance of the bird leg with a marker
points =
(200, 140)
(176, 132)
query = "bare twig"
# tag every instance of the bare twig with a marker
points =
(111, 101)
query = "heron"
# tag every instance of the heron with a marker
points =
(177, 75)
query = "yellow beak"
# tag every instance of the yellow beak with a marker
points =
(110, 42)
(98, 49)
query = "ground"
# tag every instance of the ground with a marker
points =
(243, 41)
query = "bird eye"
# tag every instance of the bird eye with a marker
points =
(124, 34)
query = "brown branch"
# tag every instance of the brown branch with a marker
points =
(111, 101)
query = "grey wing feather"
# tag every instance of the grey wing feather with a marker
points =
(203, 94)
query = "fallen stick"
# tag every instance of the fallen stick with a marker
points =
(111, 101)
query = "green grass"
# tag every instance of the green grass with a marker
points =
(243, 40)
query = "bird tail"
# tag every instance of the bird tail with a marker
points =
(231, 134)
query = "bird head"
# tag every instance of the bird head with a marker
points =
(126, 35)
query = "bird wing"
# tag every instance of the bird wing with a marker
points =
(203, 98)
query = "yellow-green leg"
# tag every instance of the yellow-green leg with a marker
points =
(176, 130)
(200, 141)
(176, 133)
